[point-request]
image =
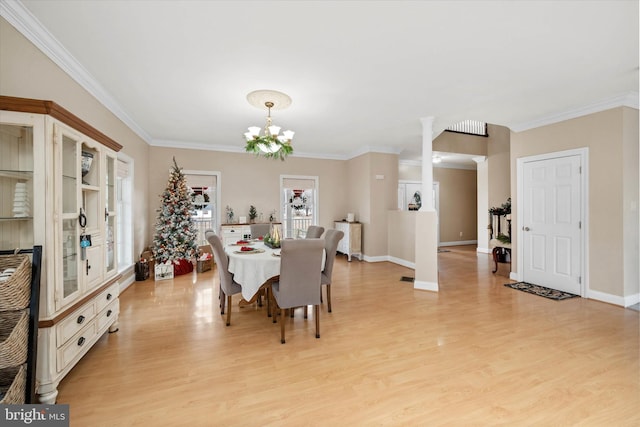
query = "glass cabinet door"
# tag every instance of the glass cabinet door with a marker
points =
(110, 214)
(68, 170)
(16, 186)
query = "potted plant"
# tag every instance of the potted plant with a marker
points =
(253, 213)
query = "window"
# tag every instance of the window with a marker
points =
(124, 213)
(299, 201)
(206, 201)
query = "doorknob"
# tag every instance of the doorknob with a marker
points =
(526, 228)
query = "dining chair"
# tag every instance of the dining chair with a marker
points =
(299, 282)
(314, 232)
(228, 287)
(259, 230)
(331, 240)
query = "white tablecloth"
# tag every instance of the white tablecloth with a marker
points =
(252, 270)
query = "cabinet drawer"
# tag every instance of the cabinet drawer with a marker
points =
(106, 316)
(106, 298)
(76, 321)
(80, 342)
(231, 231)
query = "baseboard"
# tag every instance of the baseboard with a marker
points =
(402, 262)
(483, 250)
(513, 275)
(631, 300)
(425, 286)
(613, 299)
(459, 243)
(125, 282)
(374, 258)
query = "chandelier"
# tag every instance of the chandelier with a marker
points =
(271, 143)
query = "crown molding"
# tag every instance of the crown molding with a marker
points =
(443, 165)
(165, 143)
(367, 149)
(629, 99)
(190, 145)
(23, 20)
(410, 162)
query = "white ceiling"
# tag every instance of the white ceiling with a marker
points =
(361, 74)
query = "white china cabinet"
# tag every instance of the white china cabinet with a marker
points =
(57, 183)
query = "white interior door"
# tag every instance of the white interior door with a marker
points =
(551, 223)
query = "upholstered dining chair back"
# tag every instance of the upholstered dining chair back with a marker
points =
(227, 286)
(331, 240)
(300, 270)
(259, 230)
(314, 232)
(299, 283)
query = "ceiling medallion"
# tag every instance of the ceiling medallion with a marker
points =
(271, 144)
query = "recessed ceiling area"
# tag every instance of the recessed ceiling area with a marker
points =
(360, 74)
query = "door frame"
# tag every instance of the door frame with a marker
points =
(316, 195)
(584, 211)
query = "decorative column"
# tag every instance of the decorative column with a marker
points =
(427, 165)
(483, 204)
(426, 245)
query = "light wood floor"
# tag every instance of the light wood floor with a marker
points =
(475, 353)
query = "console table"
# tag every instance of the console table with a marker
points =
(501, 253)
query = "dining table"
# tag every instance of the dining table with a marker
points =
(252, 268)
(256, 266)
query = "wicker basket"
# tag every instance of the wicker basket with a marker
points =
(14, 337)
(13, 385)
(15, 292)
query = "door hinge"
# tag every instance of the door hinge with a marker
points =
(580, 280)
(579, 169)
(580, 225)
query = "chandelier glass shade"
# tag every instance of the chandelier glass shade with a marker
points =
(271, 143)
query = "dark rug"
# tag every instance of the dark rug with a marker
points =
(541, 291)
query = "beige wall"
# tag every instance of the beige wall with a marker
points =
(358, 189)
(401, 230)
(409, 172)
(453, 142)
(249, 180)
(607, 135)
(498, 165)
(426, 269)
(371, 198)
(26, 72)
(458, 204)
(458, 200)
(630, 197)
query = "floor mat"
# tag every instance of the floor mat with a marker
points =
(542, 291)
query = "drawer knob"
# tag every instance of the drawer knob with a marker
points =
(81, 341)
(80, 319)
(109, 313)
(109, 296)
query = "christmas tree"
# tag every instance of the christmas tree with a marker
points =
(176, 233)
